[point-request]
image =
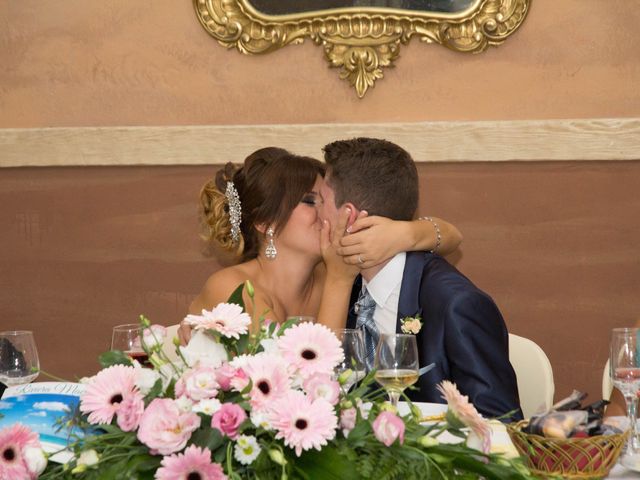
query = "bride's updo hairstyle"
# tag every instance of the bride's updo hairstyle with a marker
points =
(270, 185)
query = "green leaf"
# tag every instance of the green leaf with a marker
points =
(143, 463)
(155, 391)
(114, 357)
(208, 437)
(359, 431)
(236, 296)
(327, 464)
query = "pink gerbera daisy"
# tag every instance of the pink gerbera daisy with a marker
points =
(105, 391)
(311, 348)
(269, 377)
(13, 442)
(302, 423)
(226, 318)
(465, 412)
(194, 464)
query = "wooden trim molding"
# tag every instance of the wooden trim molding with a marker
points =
(535, 140)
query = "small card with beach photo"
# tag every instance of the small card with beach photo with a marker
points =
(44, 407)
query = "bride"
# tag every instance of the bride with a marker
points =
(266, 214)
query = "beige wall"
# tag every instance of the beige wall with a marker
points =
(82, 249)
(118, 62)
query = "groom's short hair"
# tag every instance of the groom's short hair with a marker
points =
(375, 175)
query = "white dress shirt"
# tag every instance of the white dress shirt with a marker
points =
(384, 288)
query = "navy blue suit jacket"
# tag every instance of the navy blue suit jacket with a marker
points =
(463, 333)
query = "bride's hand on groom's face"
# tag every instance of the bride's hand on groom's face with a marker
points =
(372, 240)
(330, 242)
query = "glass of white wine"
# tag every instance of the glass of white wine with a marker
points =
(396, 363)
(19, 362)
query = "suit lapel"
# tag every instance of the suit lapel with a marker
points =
(409, 302)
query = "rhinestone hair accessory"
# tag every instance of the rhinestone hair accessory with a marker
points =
(235, 211)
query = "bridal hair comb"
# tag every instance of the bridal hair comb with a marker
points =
(235, 210)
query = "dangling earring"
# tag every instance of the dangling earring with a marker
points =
(270, 252)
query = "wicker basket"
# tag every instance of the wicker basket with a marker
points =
(580, 458)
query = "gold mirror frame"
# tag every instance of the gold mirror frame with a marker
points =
(360, 41)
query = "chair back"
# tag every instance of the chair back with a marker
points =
(607, 384)
(534, 374)
(168, 347)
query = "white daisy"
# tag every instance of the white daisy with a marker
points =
(247, 449)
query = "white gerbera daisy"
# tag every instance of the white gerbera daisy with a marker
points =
(247, 449)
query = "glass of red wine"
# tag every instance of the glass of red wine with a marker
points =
(128, 339)
(624, 364)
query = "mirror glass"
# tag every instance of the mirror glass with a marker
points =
(287, 7)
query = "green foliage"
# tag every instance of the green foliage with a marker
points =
(114, 357)
(206, 436)
(236, 296)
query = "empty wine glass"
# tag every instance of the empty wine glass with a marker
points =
(396, 363)
(624, 368)
(127, 339)
(19, 362)
(353, 347)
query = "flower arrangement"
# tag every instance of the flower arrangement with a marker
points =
(259, 405)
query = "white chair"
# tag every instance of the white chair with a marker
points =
(607, 384)
(168, 347)
(534, 374)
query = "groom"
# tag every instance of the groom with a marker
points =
(463, 332)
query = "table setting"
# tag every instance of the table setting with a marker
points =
(291, 401)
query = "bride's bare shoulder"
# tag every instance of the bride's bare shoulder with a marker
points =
(219, 286)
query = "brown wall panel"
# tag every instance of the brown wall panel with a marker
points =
(556, 244)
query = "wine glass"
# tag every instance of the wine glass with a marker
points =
(396, 363)
(297, 319)
(127, 339)
(624, 368)
(353, 347)
(19, 362)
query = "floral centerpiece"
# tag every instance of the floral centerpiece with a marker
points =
(238, 404)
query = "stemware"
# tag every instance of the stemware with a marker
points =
(127, 339)
(624, 368)
(353, 346)
(19, 362)
(396, 363)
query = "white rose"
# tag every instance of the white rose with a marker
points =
(184, 404)
(208, 407)
(145, 378)
(35, 460)
(270, 345)
(88, 458)
(153, 337)
(204, 350)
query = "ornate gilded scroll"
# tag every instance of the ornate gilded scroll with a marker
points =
(360, 41)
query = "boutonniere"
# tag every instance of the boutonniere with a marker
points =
(411, 324)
